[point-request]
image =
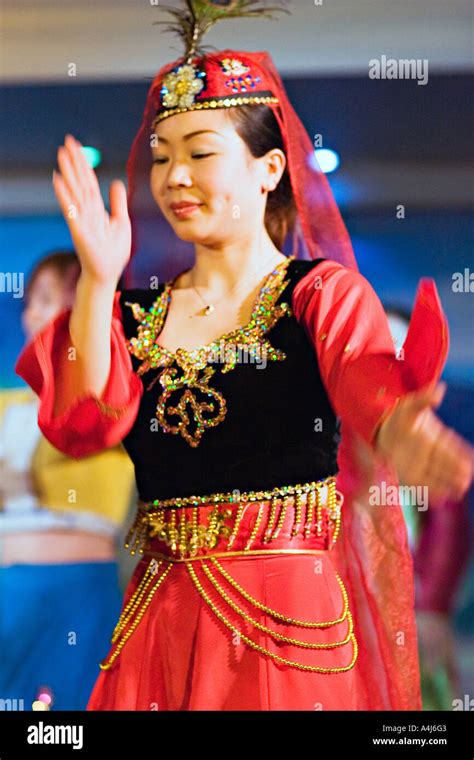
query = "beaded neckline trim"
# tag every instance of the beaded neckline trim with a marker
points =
(155, 317)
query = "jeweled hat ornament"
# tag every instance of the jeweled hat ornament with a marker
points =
(201, 80)
(223, 81)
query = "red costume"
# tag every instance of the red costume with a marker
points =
(268, 580)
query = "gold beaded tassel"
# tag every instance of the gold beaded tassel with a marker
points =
(173, 531)
(319, 512)
(157, 523)
(335, 507)
(183, 530)
(238, 520)
(310, 504)
(297, 513)
(281, 517)
(255, 528)
(194, 541)
(212, 530)
(132, 532)
(275, 501)
(137, 536)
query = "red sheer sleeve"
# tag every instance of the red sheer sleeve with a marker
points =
(89, 424)
(347, 326)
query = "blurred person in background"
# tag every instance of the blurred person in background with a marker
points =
(439, 538)
(59, 518)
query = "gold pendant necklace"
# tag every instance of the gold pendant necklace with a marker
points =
(209, 308)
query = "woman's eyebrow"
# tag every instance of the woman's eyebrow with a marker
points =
(192, 134)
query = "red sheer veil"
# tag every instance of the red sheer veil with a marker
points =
(371, 552)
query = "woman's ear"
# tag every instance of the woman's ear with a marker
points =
(274, 165)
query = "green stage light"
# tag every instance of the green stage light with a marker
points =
(93, 156)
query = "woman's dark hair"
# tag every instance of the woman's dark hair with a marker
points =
(64, 262)
(259, 129)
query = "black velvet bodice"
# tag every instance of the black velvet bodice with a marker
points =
(279, 427)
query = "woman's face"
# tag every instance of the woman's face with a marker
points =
(48, 296)
(200, 158)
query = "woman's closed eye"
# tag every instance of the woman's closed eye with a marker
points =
(196, 155)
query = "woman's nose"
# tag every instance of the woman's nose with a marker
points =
(179, 174)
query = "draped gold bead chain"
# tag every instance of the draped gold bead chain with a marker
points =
(267, 652)
(141, 599)
(120, 635)
(278, 615)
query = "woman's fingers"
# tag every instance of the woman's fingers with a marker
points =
(83, 171)
(118, 200)
(77, 169)
(417, 405)
(78, 175)
(68, 172)
(67, 205)
(62, 194)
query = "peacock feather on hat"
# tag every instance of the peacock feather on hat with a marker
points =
(194, 20)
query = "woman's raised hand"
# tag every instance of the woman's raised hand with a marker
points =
(423, 450)
(101, 240)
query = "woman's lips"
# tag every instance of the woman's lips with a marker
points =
(183, 211)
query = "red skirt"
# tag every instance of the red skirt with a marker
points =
(257, 632)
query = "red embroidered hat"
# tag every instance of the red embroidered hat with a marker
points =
(216, 81)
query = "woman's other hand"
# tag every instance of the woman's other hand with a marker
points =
(422, 449)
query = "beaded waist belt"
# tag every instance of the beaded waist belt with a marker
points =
(292, 519)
